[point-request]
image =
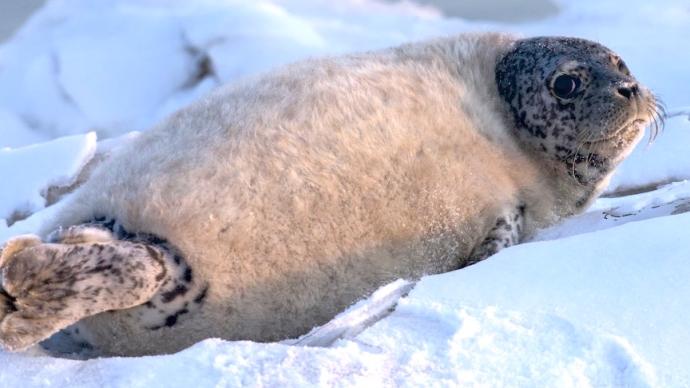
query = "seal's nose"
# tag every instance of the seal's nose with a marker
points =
(628, 90)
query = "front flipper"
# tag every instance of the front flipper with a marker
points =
(49, 286)
(506, 232)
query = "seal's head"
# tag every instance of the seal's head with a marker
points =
(575, 101)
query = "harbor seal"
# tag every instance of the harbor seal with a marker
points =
(268, 207)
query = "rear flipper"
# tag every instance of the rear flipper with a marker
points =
(82, 272)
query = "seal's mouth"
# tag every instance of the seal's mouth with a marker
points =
(635, 125)
(651, 114)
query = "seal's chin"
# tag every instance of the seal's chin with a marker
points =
(619, 144)
(635, 130)
(632, 130)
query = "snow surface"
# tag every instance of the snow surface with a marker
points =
(600, 300)
(30, 170)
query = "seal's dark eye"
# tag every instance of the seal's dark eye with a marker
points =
(565, 86)
(623, 68)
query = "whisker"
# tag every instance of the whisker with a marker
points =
(654, 125)
(657, 110)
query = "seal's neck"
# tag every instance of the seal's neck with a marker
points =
(582, 176)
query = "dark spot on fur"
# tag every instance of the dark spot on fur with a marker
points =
(171, 320)
(169, 296)
(202, 295)
(100, 268)
(10, 300)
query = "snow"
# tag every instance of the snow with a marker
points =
(104, 90)
(622, 282)
(16, 132)
(31, 170)
(118, 66)
(601, 299)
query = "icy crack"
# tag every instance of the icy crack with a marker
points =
(358, 317)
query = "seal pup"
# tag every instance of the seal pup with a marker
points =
(267, 208)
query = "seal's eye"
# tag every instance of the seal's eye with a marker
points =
(565, 86)
(623, 68)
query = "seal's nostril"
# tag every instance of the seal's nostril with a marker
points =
(628, 91)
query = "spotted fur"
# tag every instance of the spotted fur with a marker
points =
(178, 295)
(587, 134)
(506, 232)
(51, 286)
(84, 270)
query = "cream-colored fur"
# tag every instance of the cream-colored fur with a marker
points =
(299, 192)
